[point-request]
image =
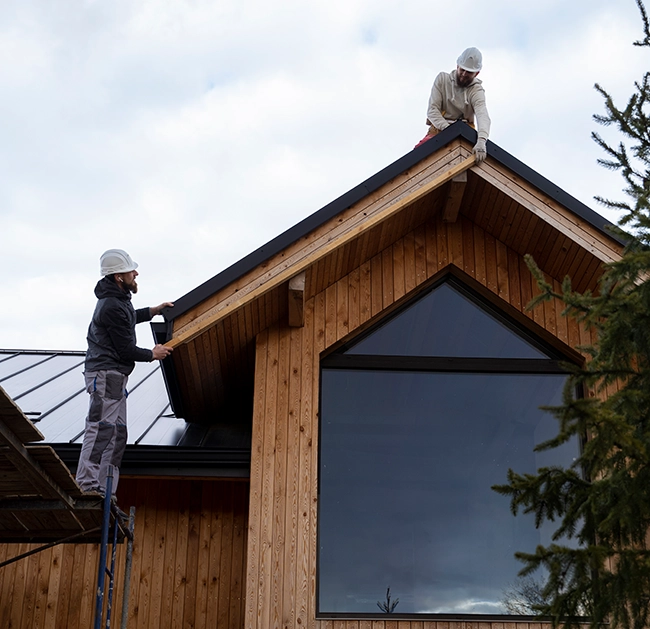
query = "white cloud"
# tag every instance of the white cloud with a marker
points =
(190, 133)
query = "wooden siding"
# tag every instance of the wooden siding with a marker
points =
(188, 564)
(281, 570)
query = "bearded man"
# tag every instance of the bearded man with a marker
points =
(111, 357)
(459, 95)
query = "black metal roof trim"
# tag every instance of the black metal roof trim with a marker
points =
(139, 458)
(58, 352)
(162, 332)
(301, 229)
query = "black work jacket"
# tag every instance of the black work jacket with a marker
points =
(111, 334)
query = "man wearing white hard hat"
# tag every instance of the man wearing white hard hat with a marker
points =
(459, 95)
(111, 357)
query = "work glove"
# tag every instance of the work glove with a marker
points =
(480, 150)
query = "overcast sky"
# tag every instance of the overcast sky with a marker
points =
(192, 132)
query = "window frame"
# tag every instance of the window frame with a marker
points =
(335, 358)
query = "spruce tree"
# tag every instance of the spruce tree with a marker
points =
(602, 502)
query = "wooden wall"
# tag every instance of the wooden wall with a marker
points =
(188, 564)
(281, 571)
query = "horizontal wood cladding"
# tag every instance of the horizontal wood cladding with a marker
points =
(188, 564)
(281, 569)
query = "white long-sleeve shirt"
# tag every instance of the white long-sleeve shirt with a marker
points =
(450, 102)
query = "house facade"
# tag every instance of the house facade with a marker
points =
(381, 361)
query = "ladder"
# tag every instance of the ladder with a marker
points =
(104, 571)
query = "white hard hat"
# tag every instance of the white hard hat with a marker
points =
(470, 60)
(116, 261)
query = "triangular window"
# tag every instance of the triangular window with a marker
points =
(446, 322)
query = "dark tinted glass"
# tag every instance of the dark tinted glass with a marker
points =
(445, 323)
(407, 460)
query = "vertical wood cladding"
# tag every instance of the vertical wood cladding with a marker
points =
(188, 564)
(281, 571)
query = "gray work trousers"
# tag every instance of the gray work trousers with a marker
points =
(105, 436)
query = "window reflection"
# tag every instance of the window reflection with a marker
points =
(407, 460)
(445, 323)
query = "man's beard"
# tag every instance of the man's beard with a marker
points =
(133, 286)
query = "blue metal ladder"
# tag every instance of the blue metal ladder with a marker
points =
(104, 570)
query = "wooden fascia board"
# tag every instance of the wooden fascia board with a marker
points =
(551, 212)
(339, 232)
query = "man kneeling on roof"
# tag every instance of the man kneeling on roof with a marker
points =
(111, 357)
(459, 95)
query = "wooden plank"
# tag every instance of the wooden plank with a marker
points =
(238, 572)
(147, 516)
(180, 573)
(160, 500)
(365, 292)
(342, 308)
(310, 506)
(503, 285)
(18, 590)
(275, 277)
(281, 413)
(54, 591)
(226, 509)
(191, 572)
(354, 288)
(376, 291)
(264, 582)
(290, 559)
(441, 247)
(257, 442)
(479, 255)
(455, 243)
(399, 288)
(313, 339)
(410, 279)
(28, 598)
(330, 315)
(296, 303)
(214, 554)
(421, 250)
(172, 490)
(491, 263)
(468, 247)
(90, 558)
(561, 323)
(514, 280)
(387, 297)
(454, 197)
(203, 568)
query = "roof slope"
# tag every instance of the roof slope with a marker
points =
(49, 388)
(210, 376)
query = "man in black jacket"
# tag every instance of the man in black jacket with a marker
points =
(111, 357)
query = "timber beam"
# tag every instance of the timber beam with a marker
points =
(297, 301)
(454, 200)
